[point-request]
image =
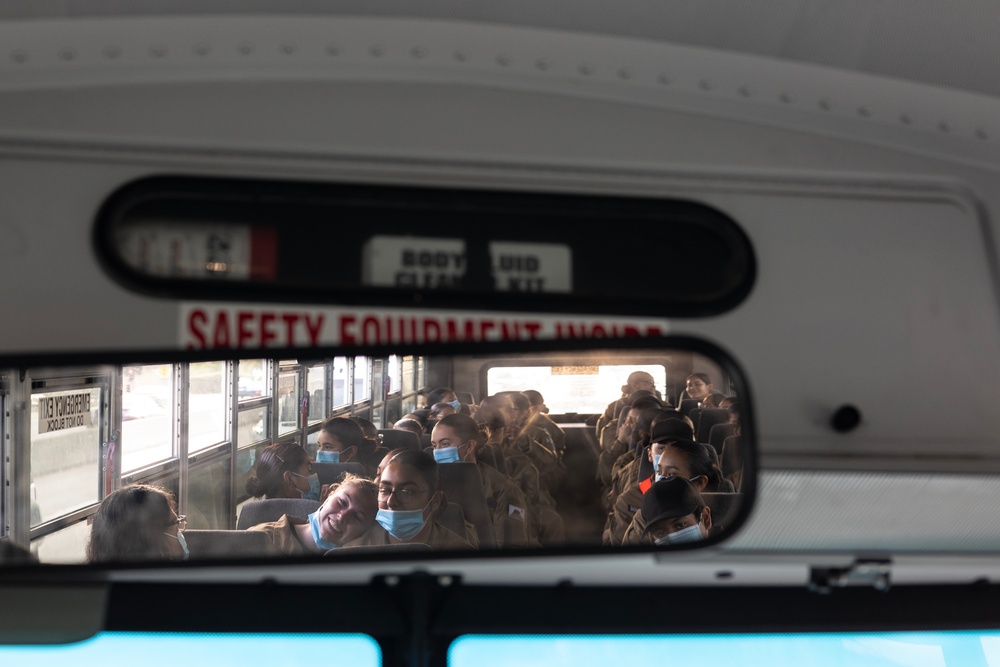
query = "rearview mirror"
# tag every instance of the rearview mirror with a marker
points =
(561, 448)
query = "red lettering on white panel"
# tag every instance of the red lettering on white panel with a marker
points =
(214, 326)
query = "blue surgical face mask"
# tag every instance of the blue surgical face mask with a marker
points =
(314, 487)
(656, 462)
(323, 456)
(317, 536)
(456, 404)
(689, 534)
(401, 524)
(447, 455)
(184, 545)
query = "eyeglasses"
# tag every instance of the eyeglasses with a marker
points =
(403, 495)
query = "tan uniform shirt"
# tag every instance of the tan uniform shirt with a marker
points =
(625, 476)
(282, 538)
(633, 534)
(439, 538)
(621, 515)
(511, 513)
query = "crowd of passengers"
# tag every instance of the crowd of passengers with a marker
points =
(653, 475)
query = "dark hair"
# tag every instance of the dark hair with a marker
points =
(411, 425)
(435, 395)
(368, 429)
(646, 402)
(701, 376)
(130, 524)
(437, 408)
(421, 415)
(488, 415)
(534, 397)
(519, 400)
(347, 431)
(423, 462)
(465, 427)
(644, 420)
(699, 463)
(272, 464)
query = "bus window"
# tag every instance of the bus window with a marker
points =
(65, 450)
(206, 405)
(570, 388)
(147, 414)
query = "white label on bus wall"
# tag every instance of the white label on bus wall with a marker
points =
(57, 413)
(429, 263)
(207, 326)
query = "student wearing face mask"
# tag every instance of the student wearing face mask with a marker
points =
(137, 522)
(409, 497)
(457, 438)
(444, 395)
(625, 471)
(346, 514)
(665, 434)
(619, 437)
(674, 513)
(690, 461)
(342, 440)
(284, 471)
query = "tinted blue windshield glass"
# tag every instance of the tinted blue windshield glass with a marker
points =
(218, 650)
(882, 649)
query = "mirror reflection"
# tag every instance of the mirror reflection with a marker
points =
(350, 455)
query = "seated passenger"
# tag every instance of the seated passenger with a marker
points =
(673, 512)
(493, 426)
(625, 504)
(422, 397)
(411, 425)
(137, 522)
(284, 471)
(346, 514)
(373, 442)
(625, 469)
(636, 381)
(342, 440)
(731, 458)
(443, 395)
(456, 438)
(537, 416)
(497, 419)
(624, 436)
(15, 554)
(439, 410)
(534, 443)
(699, 387)
(409, 496)
(621, 463)
(690, 460)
